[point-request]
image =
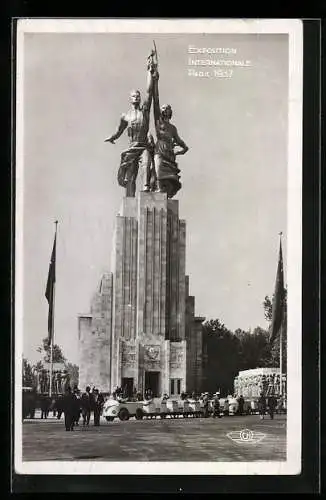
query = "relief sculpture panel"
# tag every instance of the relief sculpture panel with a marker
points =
(152, 356)
(176, 357)
(128, 355)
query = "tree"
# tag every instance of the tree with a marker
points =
(45, 349)
(58, 357)
(221, 358)
(28, 374)
(254, 349)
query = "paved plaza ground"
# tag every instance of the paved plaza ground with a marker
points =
(191, 439)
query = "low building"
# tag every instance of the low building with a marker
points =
(251, 383)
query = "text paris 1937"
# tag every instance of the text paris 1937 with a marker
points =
(215, 73)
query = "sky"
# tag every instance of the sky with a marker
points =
(234, 176)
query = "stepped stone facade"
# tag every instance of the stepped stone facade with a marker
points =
(142, 330)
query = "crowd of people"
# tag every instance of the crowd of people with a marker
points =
(265, 405)
(76, 405)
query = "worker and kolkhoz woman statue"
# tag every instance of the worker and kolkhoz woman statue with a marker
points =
(156, 158)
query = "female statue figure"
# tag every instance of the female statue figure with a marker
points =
(167, 172)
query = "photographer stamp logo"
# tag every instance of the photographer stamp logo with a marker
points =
(246, 436)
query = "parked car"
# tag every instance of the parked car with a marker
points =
(122, 409)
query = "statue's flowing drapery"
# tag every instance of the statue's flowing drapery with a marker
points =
(168, 171)
(129, 161)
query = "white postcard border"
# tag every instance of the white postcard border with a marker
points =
(294, 29)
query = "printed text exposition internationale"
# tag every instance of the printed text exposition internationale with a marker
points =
(215, 62)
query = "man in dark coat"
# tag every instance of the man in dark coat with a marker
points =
(98, 402)
(262, 406)
(59, 406)
(206, 405)
(77, 405)
(87, 405)
(272, 403)
(69, 408)
(217, 407)
(241, 404)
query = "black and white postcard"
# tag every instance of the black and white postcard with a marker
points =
(158, 247)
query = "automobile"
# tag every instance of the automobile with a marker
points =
(153, 408)
(122, 409)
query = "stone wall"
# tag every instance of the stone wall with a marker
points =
(95, 332)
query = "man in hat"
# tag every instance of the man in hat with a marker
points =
(69, 408)
(205, 404)
(272, 403)
(98, 403)
(217, 407)
(77, 405)
(241, 404)
(262, 406)
(87, 405)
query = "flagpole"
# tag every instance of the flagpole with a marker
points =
(281, 339)
(52, 329)
(51, 345)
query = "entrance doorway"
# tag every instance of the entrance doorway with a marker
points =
(127, 385)
(152, 381)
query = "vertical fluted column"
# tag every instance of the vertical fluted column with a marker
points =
(151, 269)
(181, 315)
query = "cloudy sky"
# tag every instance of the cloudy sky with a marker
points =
(234, 177)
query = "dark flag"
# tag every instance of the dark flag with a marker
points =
(278, 299)
(49, 293)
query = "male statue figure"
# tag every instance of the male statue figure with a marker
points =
(136, 121)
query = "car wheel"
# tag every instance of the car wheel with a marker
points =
(123, 414)
(109, 419)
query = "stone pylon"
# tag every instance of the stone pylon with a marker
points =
(142, 331)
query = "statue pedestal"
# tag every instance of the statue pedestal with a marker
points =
(142, 331)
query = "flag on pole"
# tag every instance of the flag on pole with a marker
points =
(49, 292)
(278, 299)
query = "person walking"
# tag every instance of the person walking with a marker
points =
(59, 406)
(241, 404)
(98, 403)
(77, 405)
(205, 404)
(272, 403)
(69, 408)
(217, 407)
(262, 406)
(87, 405)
